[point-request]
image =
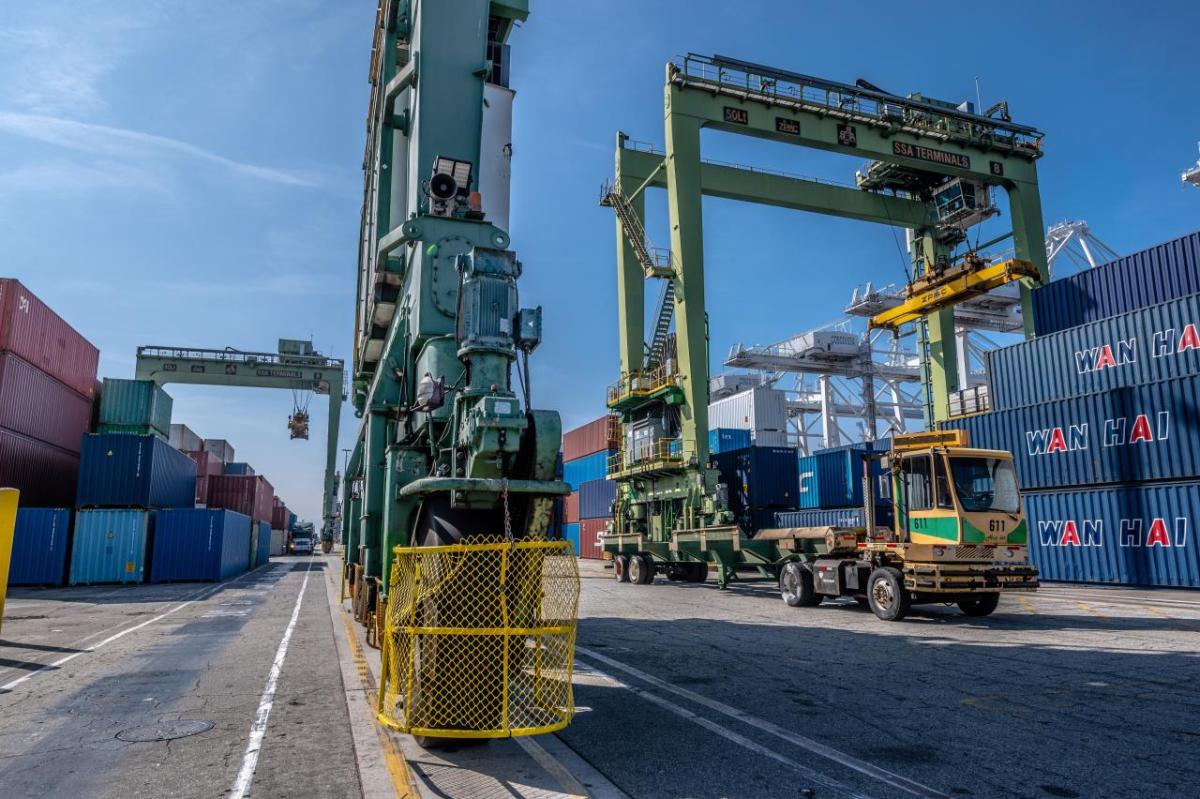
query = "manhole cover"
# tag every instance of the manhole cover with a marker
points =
(165, 731)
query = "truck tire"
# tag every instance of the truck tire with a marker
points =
(641, 570)
(982, 605)
(697, 572)
(621, 568)
(796, 585)
(889, 598)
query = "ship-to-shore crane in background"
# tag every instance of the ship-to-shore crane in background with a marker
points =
(932, 169)
(297, 367)
(450, 459)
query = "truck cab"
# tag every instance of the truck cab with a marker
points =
(959, 535)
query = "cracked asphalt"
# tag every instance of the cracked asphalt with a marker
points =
(206, 661)
(1076, 691)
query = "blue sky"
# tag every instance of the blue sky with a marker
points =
(189, 172)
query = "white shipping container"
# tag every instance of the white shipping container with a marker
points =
(182, 438)
(761, 410)
(278, 542)
(495, 153)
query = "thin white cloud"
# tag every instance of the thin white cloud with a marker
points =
(114, 142)
(63, 177)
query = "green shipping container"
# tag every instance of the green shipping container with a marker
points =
(132, 406)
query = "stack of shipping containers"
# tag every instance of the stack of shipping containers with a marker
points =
(1100, 413)
(280, 516)
(47, 390)
(831, 488)
(588, 509)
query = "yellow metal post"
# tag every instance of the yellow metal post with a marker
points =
(8, 523)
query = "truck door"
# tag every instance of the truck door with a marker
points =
(925, 505)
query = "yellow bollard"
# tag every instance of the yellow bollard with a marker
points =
(8, 521)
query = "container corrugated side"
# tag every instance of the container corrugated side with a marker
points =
(723, 439)
(581, 470)
(1160, 342)
(761, 410)
(240, 468)
(136, 403)
(196, 544)
(758, 479)
(278, 542)
(262, 552)
(1156, 274)
(219, 447)
(36, 405)
(1134, 434)
(596, 498)
(571, 533)
(109, 546)
(40, 542)
(279, 516)
(138, 471)
(183, 439)
(836, 517)
(595, 436)
(207, 463)
(1130, 535)
(833, 478)
(590, 531)
(44, 474)
(571, 507)
(34, 332)
(249, 495)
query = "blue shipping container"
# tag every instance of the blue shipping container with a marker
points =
(832, 478)
(239, 469)
(263, 553)
(1156, 343)
(1127, 435)
(140, 471)
(40, 540)
(723, 439)
(581, 470)
(200, 544)
(1131, 535)
(292, 519)
(837, 517)
(596, 499)
(571, 533)
(1164, 272)
(758, 479)
(109, 546)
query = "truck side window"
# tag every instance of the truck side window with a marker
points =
(945, 498)
(918, 482)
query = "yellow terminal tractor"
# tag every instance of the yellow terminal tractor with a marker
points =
(959, 535)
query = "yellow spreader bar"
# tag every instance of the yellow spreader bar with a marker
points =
(931, 294)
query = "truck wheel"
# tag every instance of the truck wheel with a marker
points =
(796, 585)
(886, 592)
(982, 605)
(621, 568)
(697, 572)
(641, 570)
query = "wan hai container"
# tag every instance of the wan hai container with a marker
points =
(40, 336)
(1156, 343)
(134, 471)
(193, 544)
(110, 546)
(1127, 435)
(40, 540)
(1129, 535)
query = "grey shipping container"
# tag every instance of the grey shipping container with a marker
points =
(1155, 343)
(183, 439)
(1133, 434)
(136, 471)
(219, 447)
(1147, 277)
(761, 410)
(1130, 535)
(135, 404)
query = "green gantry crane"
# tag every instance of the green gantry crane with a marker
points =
(932, 168)
(447, 446)
(296, 367)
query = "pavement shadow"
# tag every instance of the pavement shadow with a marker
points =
(4, 642)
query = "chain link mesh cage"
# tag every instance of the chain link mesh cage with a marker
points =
(479, 640)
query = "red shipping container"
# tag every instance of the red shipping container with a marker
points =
(572, 508)
(595, 436)
(248, 494)
(207, 464)
(36, 405)
(45, 475)
(279, 516)
(590, 531)
(201, 490)
(34, 332)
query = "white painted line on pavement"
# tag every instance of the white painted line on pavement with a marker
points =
(259, 728)
(552, 767)
(823, 780)
(816, 747)
(8, 686)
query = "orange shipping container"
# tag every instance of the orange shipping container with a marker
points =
(595, 436)
(572, 507)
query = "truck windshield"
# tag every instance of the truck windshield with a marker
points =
(985, 484)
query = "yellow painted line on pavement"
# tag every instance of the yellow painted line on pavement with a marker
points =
(393, 758)
(1086, 607)
(1026, 603)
